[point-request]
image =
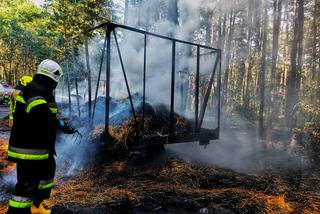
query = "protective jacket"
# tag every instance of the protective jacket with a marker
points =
(35, 124)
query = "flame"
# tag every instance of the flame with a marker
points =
(119, 165)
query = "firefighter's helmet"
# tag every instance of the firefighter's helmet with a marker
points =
(25, 80)
(50, 69)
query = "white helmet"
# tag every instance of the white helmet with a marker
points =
(50, 69)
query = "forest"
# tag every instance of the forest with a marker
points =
(270, 48)
(270, 89)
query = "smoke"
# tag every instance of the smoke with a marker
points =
(7, 182)
(75, 154)
(239, 151)
(242, 151)
(73, 157)
(9, 179)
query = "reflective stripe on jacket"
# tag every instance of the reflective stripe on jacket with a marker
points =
(28, 154)
(33, 102)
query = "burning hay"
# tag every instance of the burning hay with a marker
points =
(155, 123)
(124, 132)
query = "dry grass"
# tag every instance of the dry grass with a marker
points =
(175, 184)
(3, 207)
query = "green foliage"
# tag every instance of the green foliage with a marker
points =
(69, 18)
(19, 23)
(29, 34)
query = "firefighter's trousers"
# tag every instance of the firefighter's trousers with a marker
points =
(35, 181)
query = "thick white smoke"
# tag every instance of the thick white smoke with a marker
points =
(239, 151)
(158, 68)
(233, 152)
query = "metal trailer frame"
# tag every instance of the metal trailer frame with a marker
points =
(198, 134)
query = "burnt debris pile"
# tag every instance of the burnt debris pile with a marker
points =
(155, 123)
(125, 129)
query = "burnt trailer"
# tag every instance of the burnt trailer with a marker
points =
(182, 76)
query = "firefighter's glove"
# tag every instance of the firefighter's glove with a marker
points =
(65, 127)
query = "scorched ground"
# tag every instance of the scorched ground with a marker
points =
(165, 183)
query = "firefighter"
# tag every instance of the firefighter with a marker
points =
(22, 83)
(32, 140)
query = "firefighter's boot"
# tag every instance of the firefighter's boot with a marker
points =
(40, 210)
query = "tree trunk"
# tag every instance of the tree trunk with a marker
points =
(219, 31)
(10, 76)
(139, 5)
(209, 28)
(314, 42)
(262, 72)
(256, 42)
(16, 73)
(286, 59)
(247, 64)
(228, 56)
(258, 11)
(277, 5)
(292, 80)
(126, 11)
(3, 76)
(223, 32)
(172, 13)
(300, 42)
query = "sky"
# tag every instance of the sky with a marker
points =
(38, 2)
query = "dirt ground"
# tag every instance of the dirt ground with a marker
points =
(173, 185)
